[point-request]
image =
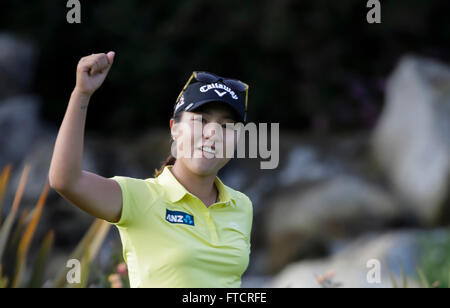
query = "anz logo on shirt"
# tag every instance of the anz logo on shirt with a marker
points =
(176, 217)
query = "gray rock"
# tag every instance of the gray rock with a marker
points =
(310, 218)
(17, 65)
(352, 265)
(411, 140)
(304, 164)
(19, 126)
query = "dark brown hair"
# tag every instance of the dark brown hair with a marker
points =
(170, 160)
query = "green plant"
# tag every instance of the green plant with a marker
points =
(423, 280)
(435, 257)
(16, 236)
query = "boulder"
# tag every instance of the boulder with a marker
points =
(411, 142)
(304, 222)
(19, 127)
(17, 65)
(354, 265)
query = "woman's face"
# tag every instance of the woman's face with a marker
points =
(204, 141)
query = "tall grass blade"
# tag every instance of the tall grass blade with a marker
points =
(37, 276)
(3, 183)
(10, 254)
(92, 240)
(391, 277)
(85, 262)
(7, 225)
(98, 239)
(3, 280)
(25, 242)
(404, 280)
(13, 242)
(424, 281)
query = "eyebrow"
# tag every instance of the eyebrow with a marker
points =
(226, 117)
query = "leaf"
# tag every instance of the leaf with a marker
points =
(12, 244)
(98, 239)
(391, 277)
(37, 276)
(85, 269)
(25, 242)
(3, 280)
(3, 182)
(423, 279)
(14, 239)
(6, 227)
(404, 280)
(90, 243)
(60, 280)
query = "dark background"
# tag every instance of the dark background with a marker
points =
(311, 65)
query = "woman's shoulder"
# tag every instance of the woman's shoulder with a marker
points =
(131, 180)
(138, 185)
(239, 196)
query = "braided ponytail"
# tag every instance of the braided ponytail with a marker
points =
(170, 160)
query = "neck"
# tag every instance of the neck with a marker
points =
(201, 186)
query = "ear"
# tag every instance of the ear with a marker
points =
(173, 128)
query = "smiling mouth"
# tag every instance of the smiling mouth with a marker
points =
(207, 150)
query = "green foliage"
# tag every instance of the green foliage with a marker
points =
(16, 237)
(37, 276)
(435, 258)
(423, 279)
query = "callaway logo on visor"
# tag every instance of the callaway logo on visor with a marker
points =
(220, 86)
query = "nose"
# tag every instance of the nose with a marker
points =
(208, 131)
(212, 130)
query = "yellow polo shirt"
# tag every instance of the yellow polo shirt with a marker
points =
(171, 239)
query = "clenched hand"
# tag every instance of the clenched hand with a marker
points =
(92, 71)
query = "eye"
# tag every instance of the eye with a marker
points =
(227, 125)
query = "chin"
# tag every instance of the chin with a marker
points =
(204, 166)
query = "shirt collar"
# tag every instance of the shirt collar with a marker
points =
(176, 191)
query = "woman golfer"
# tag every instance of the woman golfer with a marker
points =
(183, 227)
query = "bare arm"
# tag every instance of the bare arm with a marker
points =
(65, 166)
(94, 194)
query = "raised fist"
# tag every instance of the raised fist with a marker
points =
(92, 70)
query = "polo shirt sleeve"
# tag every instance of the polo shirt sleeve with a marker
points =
(249, 213)
(250, 217)
(129, 208)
